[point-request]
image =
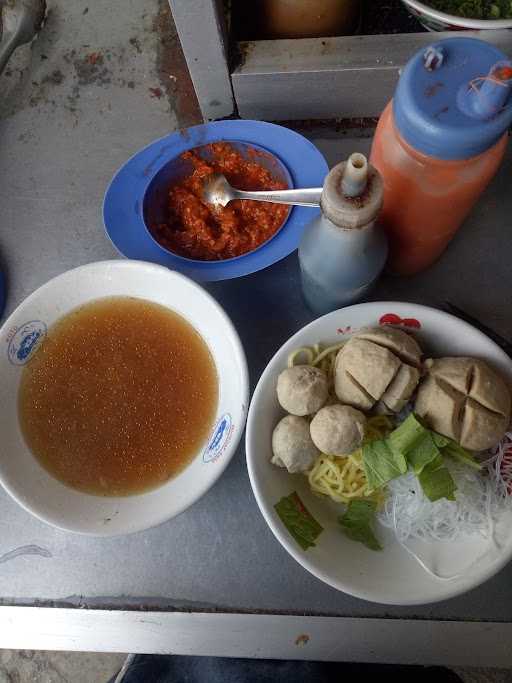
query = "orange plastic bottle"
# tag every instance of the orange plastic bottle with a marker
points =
(438, 144)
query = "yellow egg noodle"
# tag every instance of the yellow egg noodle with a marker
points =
(316, 356)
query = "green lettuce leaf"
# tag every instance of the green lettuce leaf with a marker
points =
(422, 449)
(453, 450)
(424, 452)
(436, 481)
(298, 520)
(404, 437)
(357, 523)
(415, 442)
(381, 464)
(440, 440)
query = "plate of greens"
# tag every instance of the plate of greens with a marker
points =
(446, 15)
(379, 449)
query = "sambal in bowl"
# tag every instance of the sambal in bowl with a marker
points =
(137, 203)
(178, 218)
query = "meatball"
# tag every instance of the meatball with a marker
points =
(466, 400)
(377, 366)
(292, 445)
(399, 342)
(302, 389)
(338, 430)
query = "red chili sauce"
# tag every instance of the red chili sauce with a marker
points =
(196, 230)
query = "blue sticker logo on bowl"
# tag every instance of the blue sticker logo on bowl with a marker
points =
(220, 438)
(25, 341)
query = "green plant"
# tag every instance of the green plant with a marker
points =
(475, 9)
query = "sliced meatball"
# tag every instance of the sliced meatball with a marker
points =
(348, 390)
(399, 342)
(489, 389)
(401, 388)
(456, 372)
(440, 405)
(481, 428)
(371, 366)
(465, 399)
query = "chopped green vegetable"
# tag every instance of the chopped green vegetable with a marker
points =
(453, 450)
(415, 442)
(404, 437)
(424, 452)
(440, 440)
(381, 464)
(357, 523)
(423, 449)
(298, 520)
(475, 9)
(436, 481)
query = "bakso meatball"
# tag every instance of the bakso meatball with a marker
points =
(378, 367)
(466, 400)
(338, 430)
(302, 389)
(292, 445)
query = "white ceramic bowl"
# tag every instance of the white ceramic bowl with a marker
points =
(433, 20)
(50, 500)
(390, 576)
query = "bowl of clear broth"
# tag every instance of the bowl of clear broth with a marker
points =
(123, 397)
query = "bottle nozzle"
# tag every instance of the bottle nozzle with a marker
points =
(347, 181)
(355, 176)
(485, 97)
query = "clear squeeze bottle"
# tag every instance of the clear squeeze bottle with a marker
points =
(343, 251)
(438, 144)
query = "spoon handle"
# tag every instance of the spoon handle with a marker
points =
(308, 197)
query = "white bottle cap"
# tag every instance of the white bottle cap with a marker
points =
(353, 193)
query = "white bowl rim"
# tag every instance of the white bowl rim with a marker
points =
(231, 448)
(455, 20)
(286, 540)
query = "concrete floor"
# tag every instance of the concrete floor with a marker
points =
(94, 65)
(26, 666)
(485, 675)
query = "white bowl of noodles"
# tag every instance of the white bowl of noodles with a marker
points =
(392, 575)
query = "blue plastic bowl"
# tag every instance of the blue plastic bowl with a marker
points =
(139, 184)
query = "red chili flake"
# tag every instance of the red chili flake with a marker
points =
(156, 92)
(503, 73)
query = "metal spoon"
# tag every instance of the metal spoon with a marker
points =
(21, 21)
(218, 192)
